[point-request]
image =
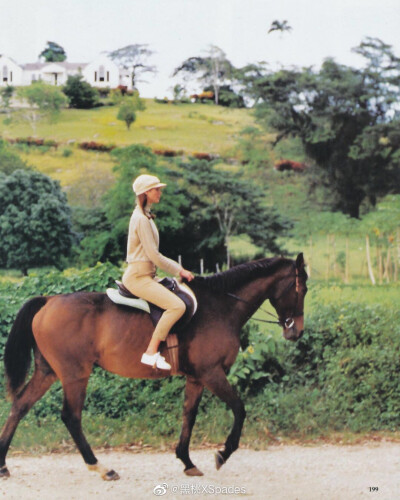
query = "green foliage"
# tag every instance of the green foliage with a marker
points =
(228, 97)
(128, 107)
(345, 118)
(67, 152)
(9, 161)
(212, 70)
(349, 357)
(253, 150)
(6, 94)
(35, 221)
(53, 53)
(81, 94)
(92, 229)
(45, 101)
(256, 364)
(234, 204)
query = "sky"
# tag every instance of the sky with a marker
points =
(178, 29)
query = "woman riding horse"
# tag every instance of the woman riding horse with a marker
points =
(143, 259)
(69, 334)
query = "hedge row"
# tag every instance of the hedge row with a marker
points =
(33, 141)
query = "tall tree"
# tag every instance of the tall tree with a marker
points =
(237, 206)
(35, 221)
(346, 119)
(44, 101)
(53, 53)
(213, 70)
(134, 58)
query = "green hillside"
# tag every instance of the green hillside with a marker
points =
(189, 129)
(183, 128)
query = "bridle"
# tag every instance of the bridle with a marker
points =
(289, 321)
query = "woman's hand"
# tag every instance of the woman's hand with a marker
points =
(186, 274)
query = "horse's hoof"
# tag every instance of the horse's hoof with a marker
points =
(194, 471)
(111, 475)
(219, 460)
(4, 472)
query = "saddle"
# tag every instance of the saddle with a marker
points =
(123, 296)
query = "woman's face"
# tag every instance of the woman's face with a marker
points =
(153, 195)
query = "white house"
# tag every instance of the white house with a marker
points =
(10, 72)
(102, 72)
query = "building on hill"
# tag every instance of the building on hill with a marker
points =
(102, 73)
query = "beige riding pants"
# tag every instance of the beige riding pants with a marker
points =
(139, 279)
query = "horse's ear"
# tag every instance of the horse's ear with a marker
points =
(300, 261)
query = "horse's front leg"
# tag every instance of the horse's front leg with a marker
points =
(218, 384)
(193, 392)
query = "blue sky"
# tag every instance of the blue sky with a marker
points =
(177, 29)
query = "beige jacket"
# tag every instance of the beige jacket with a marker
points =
(143, 243)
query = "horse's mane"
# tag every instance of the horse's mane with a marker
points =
(243, 273)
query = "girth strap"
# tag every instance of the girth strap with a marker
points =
(173, 352)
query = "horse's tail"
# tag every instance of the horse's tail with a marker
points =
(20, 342)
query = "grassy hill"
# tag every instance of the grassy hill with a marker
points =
(188, 129)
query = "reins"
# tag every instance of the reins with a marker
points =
(289, 322)
(263, 310)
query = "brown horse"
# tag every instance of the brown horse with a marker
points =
(70, 333)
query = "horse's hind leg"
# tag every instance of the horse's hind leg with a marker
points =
(217, 383)
(74, 397)
(42, 379)
(193, 393)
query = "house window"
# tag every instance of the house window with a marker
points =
(5, 74)
(108, 76)
(101, 73)
(95, 76)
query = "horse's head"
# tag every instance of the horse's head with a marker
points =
(288, 300)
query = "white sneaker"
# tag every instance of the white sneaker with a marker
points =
(155, 360)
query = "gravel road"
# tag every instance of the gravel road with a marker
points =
(285, 472)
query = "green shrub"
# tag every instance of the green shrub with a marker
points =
(67, 152)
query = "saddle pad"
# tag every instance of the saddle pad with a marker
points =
(117, 298)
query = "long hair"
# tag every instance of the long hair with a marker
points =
(141, 200)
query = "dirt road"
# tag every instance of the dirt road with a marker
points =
(287, 472)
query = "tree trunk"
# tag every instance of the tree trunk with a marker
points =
(379, 262)
(228, 257)
(388, 262)
(370, 270)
